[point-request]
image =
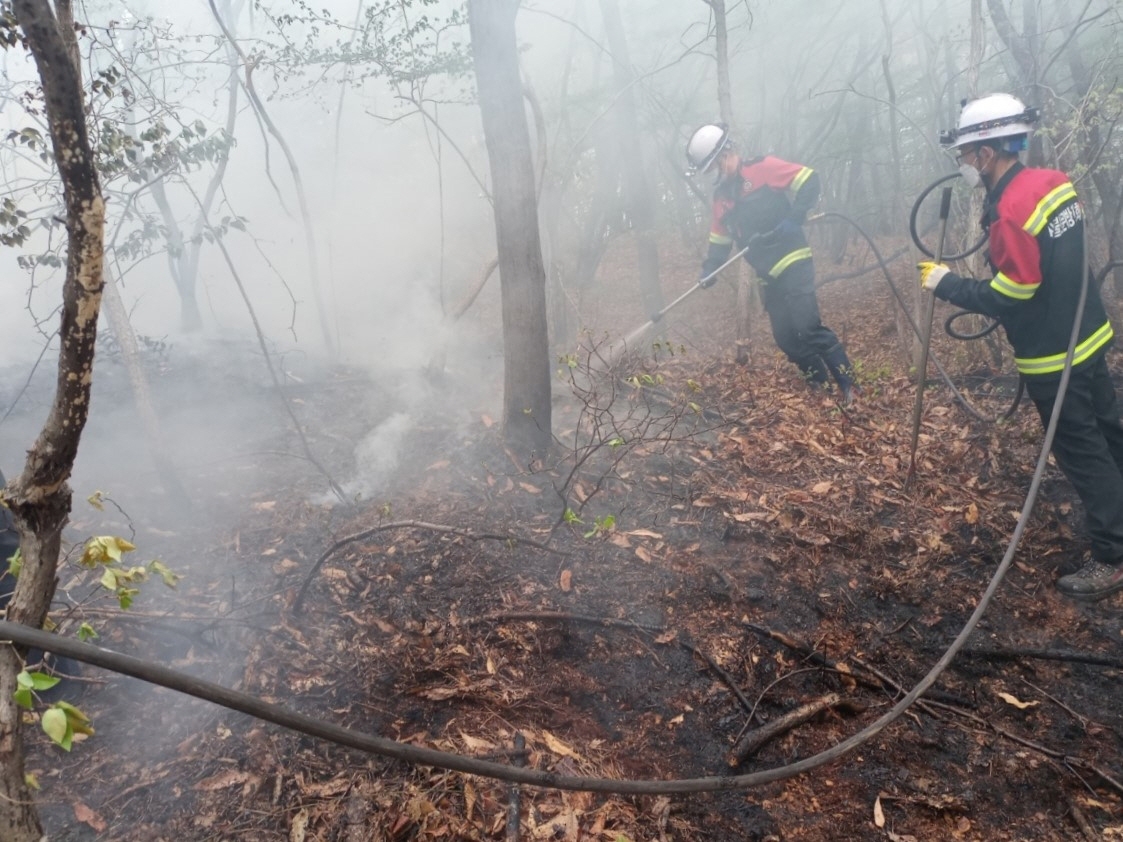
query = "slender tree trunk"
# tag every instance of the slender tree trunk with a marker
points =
(893, 205)
(721, 50)
(638, 195)
(748, 294)
(39, 497)
(183, 256)
(298, 180)
(522, 278)
(118, 318)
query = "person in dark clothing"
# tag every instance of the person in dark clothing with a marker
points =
(762, 204)
(1035, 223)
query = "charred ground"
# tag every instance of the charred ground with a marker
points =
(762, 553)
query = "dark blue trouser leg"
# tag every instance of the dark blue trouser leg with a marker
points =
(798, 329)
(1088, 447)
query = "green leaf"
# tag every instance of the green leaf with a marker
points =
(125, 597)
(170, 577)
(22, 698)
(104, 549)
(86, 632)
(56, 726)
(42, 681)
(76, 717)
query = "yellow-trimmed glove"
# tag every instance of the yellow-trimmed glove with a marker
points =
(931, 274)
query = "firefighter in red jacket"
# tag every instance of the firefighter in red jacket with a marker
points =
(762, 204)
(1036, 227)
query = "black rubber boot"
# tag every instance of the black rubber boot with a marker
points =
(840, 367)
(814, 372)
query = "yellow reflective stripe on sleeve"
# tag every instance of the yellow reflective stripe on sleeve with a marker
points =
(1056, 362)
(1048, 206)
(801, 177)
(1020, 292)
(788, 259)
(719, 240)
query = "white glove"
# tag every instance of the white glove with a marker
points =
(931, 274)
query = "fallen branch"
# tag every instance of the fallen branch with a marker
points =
(1070, 656)
(755, 739)
(1054, 755)
(1082, 821)
(879, 680)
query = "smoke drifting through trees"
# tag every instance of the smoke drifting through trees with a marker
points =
(358, 204)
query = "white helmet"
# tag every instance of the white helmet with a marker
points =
(705, 145)
(991, 117)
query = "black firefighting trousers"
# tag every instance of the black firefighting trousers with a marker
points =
(797, 327)
(1088, 447)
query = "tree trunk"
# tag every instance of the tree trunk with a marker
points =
(748, 293)
(894, 199)
(118, 318)
(249, 64)
(39, 497)
(522, 278)
(638, 196)
(977, 354)
(721, 51)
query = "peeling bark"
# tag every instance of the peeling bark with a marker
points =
(39, 497)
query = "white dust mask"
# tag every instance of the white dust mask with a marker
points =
(971, 175)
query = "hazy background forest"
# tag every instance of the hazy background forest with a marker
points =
(301, 238)
(352, 204)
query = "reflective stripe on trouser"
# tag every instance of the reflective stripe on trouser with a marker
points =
(797, 327)
(1088, 447)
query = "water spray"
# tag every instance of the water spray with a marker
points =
(617, 349)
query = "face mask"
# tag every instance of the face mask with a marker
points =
(972, 176)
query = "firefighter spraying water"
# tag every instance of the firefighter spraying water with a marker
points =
(761, 205)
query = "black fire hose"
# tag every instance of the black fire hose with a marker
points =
(916, 235)
(949, 323)
(904, 307)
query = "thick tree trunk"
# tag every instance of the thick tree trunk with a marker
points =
(522, 278)
(40, 497)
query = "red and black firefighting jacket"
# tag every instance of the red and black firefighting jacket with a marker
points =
(749, 205)
(1036, 227)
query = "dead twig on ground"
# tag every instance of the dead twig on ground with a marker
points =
(754, 740)
(879, 680)
(1065, 655)
(1082, 822)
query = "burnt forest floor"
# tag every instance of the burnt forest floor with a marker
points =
(736, 546)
